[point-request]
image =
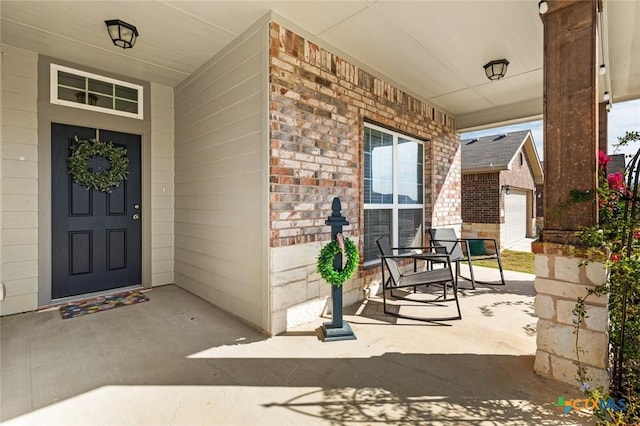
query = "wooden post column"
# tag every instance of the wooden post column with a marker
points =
(571, 142)
(570, 116)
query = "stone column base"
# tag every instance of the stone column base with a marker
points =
(561, 279)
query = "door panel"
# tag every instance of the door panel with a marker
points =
(96, 241)
(515, 216)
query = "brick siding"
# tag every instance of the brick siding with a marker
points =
(520, 176)
(481, 198)
(318, 105)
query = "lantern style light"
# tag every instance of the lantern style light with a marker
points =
(495, 70)
(122, 34)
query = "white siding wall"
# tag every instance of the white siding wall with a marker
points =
(162, 189)
(19, 180)
(220, 179)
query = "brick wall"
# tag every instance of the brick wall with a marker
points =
(520, 176)
(318, 105)
(444, 199)
(481, 198)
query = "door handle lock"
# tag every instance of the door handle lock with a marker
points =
(136, 216)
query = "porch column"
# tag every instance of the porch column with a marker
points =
(571, 142)
(570, 115)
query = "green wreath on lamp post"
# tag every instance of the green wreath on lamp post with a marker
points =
(83, 149)
(325, 262)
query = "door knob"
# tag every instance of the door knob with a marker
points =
(136, 216)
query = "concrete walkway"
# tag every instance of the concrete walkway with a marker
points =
(521, 245)
(177, 360)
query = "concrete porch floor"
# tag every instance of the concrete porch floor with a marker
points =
(179, 360)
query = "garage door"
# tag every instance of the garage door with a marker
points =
(515, 216)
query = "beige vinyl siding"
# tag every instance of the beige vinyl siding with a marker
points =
(220, 179)
(162, 189)
(2, 287)
(19, 258)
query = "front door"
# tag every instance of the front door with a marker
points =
(96, 236)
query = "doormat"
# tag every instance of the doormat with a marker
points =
(102, 303)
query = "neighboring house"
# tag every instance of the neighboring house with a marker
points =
(232, 176)
(617, 163)
(499, 178)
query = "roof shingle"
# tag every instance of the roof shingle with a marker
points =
(491, 152)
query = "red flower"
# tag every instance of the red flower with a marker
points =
(636, 233)
(603, 159)
(615, 257)
(616, 181)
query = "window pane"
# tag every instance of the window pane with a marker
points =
(376, 224)
(104, 101)
(126, 106)
(410, 230)
(378, 167)
(72, 95)
(101, 87)
(77, 89)
(70, 80)
(410, 172)
(126, 93)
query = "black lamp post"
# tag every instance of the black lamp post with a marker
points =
(337, 329)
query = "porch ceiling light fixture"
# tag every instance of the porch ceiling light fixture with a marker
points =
(122, 34)
(495, 70)
(543, 7)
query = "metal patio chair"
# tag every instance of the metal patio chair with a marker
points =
(445, 241)
(427, 281)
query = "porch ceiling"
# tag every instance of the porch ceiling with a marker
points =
(434, 49)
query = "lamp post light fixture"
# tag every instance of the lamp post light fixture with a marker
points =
(495, 70)
(122, 34)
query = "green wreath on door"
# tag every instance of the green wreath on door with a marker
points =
(84, 149)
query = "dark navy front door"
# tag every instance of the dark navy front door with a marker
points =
(96, 236)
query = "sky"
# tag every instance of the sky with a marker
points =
(623, 117)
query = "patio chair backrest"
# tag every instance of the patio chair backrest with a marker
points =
(392, 265)
(445, 241)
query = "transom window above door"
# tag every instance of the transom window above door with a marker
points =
(80, 89)
(393, 190)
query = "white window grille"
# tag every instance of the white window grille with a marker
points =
(393, 190)
(81, 89)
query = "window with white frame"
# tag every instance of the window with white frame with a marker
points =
(80, 89)
(393, 190)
